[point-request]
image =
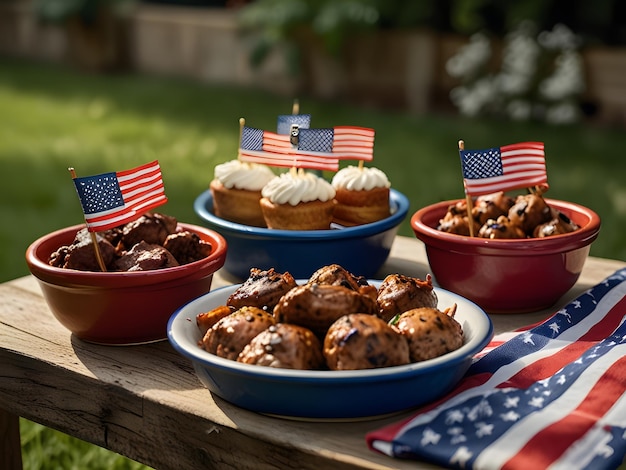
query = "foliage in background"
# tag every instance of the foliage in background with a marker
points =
(58, 11)
(540, 76)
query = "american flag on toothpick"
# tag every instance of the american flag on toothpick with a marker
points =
(116, 198)
(515, 166)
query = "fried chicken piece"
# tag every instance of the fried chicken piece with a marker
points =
(529, 211)
(80, 254)
(399, 293)
(262, 289)
(145, 257)
(187, 246)
(361, 341)
(558, 224)
(429, 332)
(229, 336)
(317, 306)
(284, 346)
(500, 229)
(491, 206)
(206, 320)
(336, 275)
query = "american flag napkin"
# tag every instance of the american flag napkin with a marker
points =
(549, 396)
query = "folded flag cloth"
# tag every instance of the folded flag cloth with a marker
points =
(550, 396)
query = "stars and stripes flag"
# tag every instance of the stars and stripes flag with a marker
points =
(285, 121)
(550, 396)
(504, 168)
(116, 198)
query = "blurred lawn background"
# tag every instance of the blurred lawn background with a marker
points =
(53, 117)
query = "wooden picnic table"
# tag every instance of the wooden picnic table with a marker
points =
(145, 401)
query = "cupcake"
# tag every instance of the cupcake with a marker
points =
(236, 190)
(362, 195)
(298, 200)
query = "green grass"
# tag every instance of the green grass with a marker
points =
(53, 117)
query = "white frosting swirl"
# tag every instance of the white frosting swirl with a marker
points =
(242, 175)
(296, 187)
(353, 178)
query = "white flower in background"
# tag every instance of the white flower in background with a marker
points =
(561, 38)
(567, 78)
(473, 99)
(519, 61)
(562, 113)
(519, 110)
(470, 58)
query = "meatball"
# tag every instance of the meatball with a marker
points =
(229, 336)
(262, 289)
(559, 224)
(361, 341)
(529, 211)
(145, 257)
(500, 229)
(284, 346)
(317, 306)
(399, 293)
(429, 332)
(187, 247)
(336, 275)
(491, 206)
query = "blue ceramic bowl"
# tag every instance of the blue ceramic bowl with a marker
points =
(362, 250)
(333, 395)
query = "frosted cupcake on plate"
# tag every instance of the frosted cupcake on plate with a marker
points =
(236, 189)
(298, 200)
(362, 195)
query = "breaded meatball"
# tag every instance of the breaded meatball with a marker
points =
(284, 346)
(558, 224)
(529, 211)
(361, 341)
(399, 293)
(317, 306)
(336, 275)
(429, 332)
(491, 206)
(229, 336)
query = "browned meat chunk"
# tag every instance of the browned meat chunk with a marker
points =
(558, 224)
(502, 228)
(187, 247)
(262, 289)
(336, 275)
(529, 211)
(491, 206)
(284, 346)
(80, 254)
(145, 257)
(206, 320)
(317, 306)
(361, 341)
(399, 293)
(150, 228)
(430, 333)
(229, 336)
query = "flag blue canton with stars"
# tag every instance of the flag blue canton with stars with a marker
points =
(479, 164)
(252, 139)
(316, 140)
(100, 193)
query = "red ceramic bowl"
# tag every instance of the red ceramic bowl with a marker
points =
(507, 276)
(121, 307)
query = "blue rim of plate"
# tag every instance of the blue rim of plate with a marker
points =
(203, 206)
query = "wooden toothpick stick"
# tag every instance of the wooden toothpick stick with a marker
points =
(242, 123)
(468, 200)
(94, 238)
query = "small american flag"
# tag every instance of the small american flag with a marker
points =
(550, 396)
(285, 121)
(341, 142)
(270, 148)
(505, 168)
(113, 199)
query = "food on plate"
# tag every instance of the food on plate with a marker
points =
(154, 241)
(502, 228)
(361, 341)
(430, 332)
(286, 346)
(229, 335)
(298, 200)
(262, 289)
(498, 216)
(317, 306)
(336, 275)
(236, 189)
(362, 195)
(333, 320)
(398, 293)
